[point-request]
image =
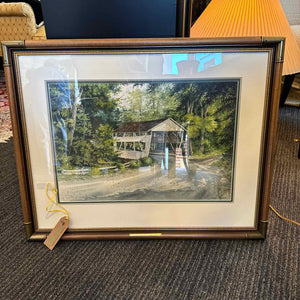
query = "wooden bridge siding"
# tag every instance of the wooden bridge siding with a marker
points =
(131, 154)
(131, 139)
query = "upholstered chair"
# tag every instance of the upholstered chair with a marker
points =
(17, 22)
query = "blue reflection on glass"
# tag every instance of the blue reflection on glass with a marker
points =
(206, 60)
(170, 61)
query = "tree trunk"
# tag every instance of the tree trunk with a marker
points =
(202, 131)
(191, 147)
(74, 113)
(202, 148)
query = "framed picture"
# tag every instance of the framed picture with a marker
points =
(145, 138)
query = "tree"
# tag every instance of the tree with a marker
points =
(198, 126)
(85, 115)
(78, 111)
(148, 101)
(208, 109)
(104, 145)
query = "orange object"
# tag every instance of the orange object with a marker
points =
(241, 18)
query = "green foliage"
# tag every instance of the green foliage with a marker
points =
(78, 113)
(145, 102)
(86, 114)
(120, 166)
(95, 171)
(135, 163)
(198, 125)
(104, 145)
(147, 161)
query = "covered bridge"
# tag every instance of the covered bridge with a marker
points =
(135, 140)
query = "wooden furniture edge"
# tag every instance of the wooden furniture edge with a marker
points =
(17, 136)
(79, 43)
(135, 235)
(275, 87)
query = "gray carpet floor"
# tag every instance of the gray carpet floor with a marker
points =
(182, 269)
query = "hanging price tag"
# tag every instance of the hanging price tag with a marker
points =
(57, 232)
(62, 225)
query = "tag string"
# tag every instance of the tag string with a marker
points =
(53, 201)
(65, 211)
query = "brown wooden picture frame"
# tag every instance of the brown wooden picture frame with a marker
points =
(275, 49)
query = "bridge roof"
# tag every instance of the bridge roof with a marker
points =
(154, 125)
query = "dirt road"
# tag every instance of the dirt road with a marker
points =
(146, 184)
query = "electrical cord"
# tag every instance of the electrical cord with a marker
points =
(282, 217)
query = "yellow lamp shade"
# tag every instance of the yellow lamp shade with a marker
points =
(241, 18)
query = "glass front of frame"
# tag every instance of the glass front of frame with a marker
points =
(146, 139)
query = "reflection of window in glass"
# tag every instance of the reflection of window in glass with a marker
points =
(208, 60)
(209, 63)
